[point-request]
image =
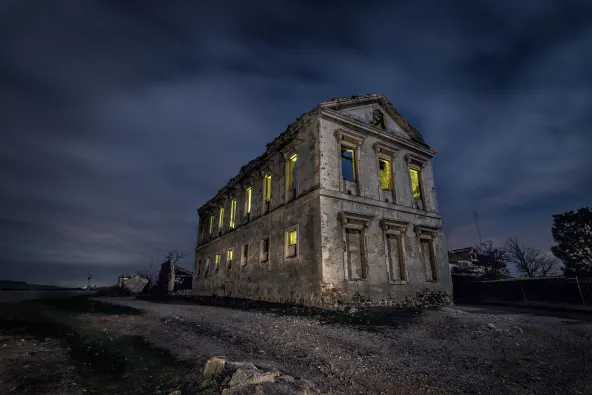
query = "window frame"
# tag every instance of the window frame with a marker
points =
(287, 245)
(229, 258)
(355, 222)
(397, 229)
(389, 163)
(291, 175)
(244, 254)
(267, 188)
(429, 234)
(232, 219)
(388, 153)
(417, 169)
(248, 200)
(261, 244)
(221, 218)
(217, 259)
(352, 162)
(352, 140)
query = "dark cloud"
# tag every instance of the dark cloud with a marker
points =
(120, 118)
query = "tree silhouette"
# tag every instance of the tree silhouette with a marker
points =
(491, 260)
(572, 231)
(529, 262)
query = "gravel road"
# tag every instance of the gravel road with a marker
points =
(455, 350)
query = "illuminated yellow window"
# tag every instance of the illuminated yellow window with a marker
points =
(232, 213)
(292, 235)
(211, 224)
(292, 172)
(385, 174)
(249, 192)
(221, 219)
(217, 261)
(229, 255)
(267, 188)
(348, 164)
(415, 184)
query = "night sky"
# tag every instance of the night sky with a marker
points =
(120, 118)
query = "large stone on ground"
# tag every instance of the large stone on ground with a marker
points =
(214, 367)
(135, 284)
(244, 377)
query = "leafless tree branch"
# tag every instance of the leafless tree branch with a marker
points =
(529, 262)
(175, 256)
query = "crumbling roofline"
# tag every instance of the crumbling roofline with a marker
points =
(274, 146)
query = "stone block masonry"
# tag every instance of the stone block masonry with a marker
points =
(341, 206)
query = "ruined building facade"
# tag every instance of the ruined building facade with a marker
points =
(342, 205)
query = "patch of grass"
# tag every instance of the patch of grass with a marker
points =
(107, 364)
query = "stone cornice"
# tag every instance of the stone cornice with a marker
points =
(369, 129)
(350, 136)
(423, 231)
(393, 226)
(416, 159)
(271, 148)
(349, 219)
(385, 149)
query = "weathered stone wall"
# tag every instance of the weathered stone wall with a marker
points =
(319, 275)
(377, 287)
(280, 279)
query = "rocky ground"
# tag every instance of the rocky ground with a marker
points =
(127, 346)
(449, 351)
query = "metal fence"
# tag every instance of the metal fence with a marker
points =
(550, 290)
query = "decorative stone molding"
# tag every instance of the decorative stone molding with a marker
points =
(385, 150)
(288, 151)
(222, 201)
(349, 137)
(234, 192)
(395, 227)
(352, 220)
(426, 232)
(248, 183)
(265, 170)
(416, 160)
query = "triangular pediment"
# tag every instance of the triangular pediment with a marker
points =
(376, 110)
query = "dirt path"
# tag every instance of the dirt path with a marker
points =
(451, 351)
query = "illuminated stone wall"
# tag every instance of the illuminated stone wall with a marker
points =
(357, 240)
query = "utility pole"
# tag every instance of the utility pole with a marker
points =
(88, 285)
(477, 224)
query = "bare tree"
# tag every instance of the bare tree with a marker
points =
(148, 272)
(174, 256)
(492, 260)
(529, 262)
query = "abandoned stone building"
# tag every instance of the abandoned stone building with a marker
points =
(341, 206)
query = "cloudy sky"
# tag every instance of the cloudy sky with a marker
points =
(120, 118)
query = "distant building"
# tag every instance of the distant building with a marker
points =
(174, 278)
(341, 205)
(464, 261)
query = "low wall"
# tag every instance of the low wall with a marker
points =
(545, 292)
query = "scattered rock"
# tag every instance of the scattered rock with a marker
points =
(243, 377)
(214, 367)
(135, 284)
(234, 366)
